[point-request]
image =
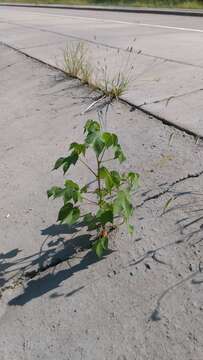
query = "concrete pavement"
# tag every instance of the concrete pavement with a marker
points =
(57, 301)
(165, 67)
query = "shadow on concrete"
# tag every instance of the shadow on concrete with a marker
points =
(40, 286)
(191, 224)
(56, 247)
(5, 263)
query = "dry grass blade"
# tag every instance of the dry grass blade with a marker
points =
(114, 87)
(76, 63)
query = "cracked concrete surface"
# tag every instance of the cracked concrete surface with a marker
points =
(143, 300)
(167, 53)
(170, 186)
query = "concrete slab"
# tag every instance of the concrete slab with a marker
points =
(188, 104)
(83, 308)
(168, 64)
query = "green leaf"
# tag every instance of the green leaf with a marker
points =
(68, 214)
(104, 240)
(118, 153)
(77, 196)
(106, 176)
(59, 162)
(70, 194)
(78, 148)
(116, 178)
(109, 139)
(70, 160)
(90, 138)
(84, 189)
(67, 196)
(100, 245)
(90, 221)
(105, 216)
(91, 126)
(55, 191)
(94, 136)
(88, 218)
(122, 205)
(96, 141)
(133, 179)
(98, 248)
(71, 184)
(114, 139)
(98, 145)
(71, 191)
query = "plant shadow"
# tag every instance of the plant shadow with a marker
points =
(40, 286)
(61, 244)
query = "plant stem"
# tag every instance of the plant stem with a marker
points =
(92, 171)
(108, 160)
(102, 155)
(90, 201)
(99, 180)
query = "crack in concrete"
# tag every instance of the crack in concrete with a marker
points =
(161, 119)
(7, 66)
(167, 190)
(31, 57)
(139, 107)
(172, 60)
(41, 45)
(168, 99)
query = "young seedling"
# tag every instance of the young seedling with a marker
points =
(111, 193)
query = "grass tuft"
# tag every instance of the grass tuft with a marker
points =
(114, 87)
(75, 61)
(76, 64)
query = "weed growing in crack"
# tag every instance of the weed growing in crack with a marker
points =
(114, 83)
(109, 193)
(77, 65)
(114, 87)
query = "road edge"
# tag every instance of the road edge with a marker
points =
(179, 12)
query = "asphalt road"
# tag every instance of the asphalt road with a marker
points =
(165, 66)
